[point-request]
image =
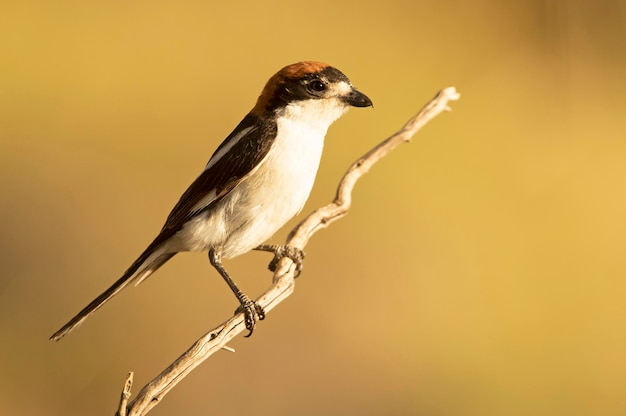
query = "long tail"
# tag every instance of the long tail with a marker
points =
(144, 266)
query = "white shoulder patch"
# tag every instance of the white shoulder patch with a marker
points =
(227, 146)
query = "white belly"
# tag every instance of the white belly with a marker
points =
(277, 191)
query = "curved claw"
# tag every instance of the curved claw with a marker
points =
(252, 312)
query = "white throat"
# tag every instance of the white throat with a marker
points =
(312, 116)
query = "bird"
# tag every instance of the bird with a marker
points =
(257, 179)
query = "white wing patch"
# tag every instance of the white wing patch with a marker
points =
(227, 146)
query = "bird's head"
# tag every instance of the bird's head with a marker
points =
(310, 86)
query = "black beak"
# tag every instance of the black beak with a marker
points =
(357, 99)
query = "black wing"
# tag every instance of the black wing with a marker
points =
(224, 173)
(232, 161)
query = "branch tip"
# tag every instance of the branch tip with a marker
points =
(123, 407)
(451, 93)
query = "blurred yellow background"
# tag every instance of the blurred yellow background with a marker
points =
(480, 272)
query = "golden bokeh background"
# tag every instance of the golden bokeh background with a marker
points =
(481, 270)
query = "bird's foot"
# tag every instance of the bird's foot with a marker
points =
(252, 312)
(280, 251)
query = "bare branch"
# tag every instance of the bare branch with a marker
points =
(283, 280)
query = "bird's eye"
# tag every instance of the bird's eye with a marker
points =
(317, 85)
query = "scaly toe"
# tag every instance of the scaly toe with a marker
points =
(252, 312)
(294, 253)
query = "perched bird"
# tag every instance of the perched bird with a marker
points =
(257, 179)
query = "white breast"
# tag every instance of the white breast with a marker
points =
(279, 188)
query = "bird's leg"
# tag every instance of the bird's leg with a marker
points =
(252, 311)
(280, 251)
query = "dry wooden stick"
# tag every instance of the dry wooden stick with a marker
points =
(283, 280)
(123, 409)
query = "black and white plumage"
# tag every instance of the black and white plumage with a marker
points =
(257, 179)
